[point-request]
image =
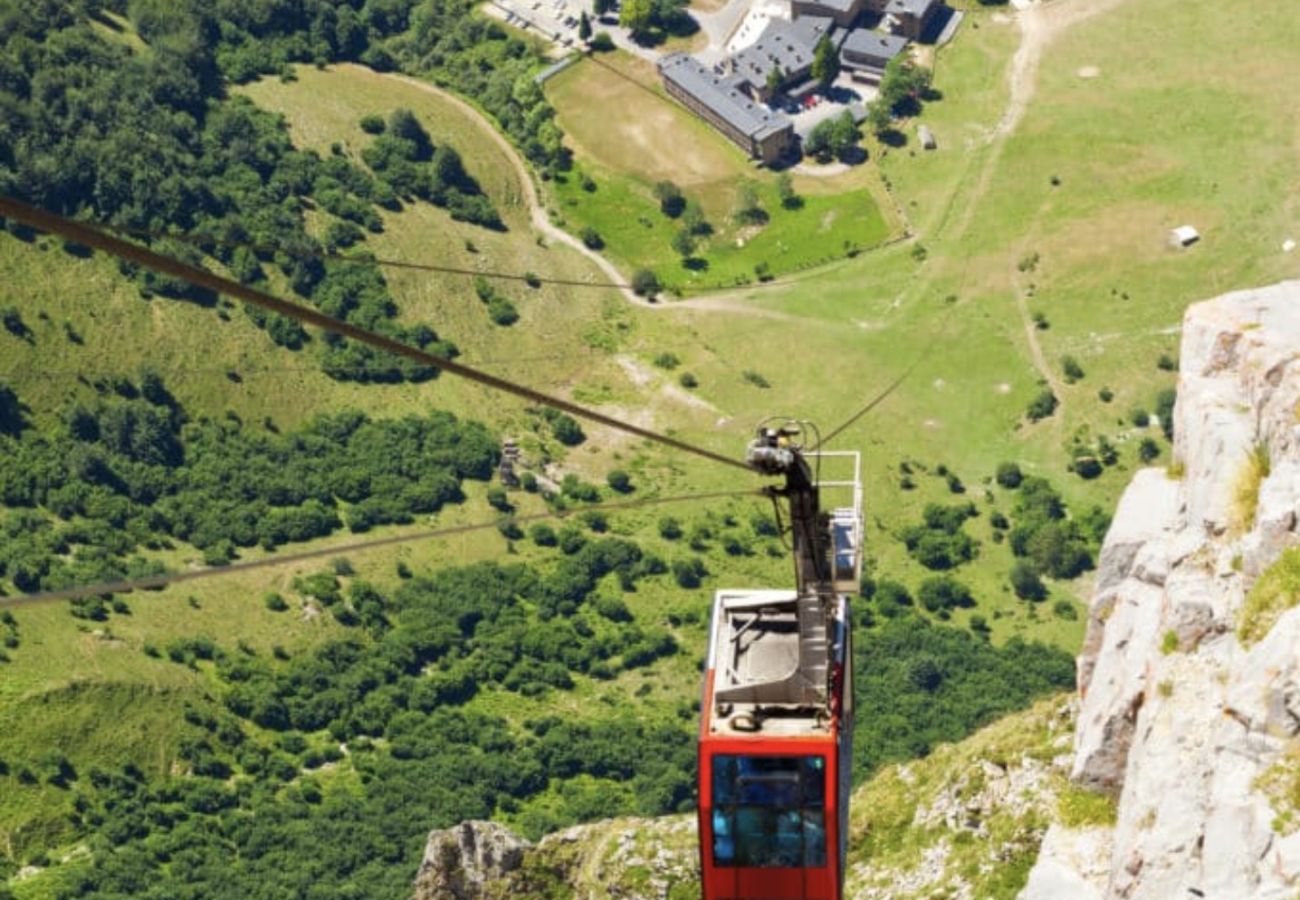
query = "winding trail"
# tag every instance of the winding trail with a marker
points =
(1040, 24)
(537, 215)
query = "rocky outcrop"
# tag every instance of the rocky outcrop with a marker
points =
(460, 863)
(647, 859)
(1193, 732)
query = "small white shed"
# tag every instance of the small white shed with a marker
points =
(926, 136)
(1184, 236)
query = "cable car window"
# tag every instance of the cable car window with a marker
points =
(769, 811)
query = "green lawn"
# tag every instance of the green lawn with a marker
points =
(627, 135)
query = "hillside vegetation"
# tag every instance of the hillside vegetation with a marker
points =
(173, 726)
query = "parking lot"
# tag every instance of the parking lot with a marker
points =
(555, 20)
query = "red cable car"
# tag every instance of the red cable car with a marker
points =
(776, 727)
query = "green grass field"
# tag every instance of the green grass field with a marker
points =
(627, 134)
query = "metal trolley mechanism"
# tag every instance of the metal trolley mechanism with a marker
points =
(777, 714)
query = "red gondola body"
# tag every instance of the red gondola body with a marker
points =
(774, 802)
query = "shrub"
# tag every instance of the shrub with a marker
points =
(667, 361)
(1139, 417)
(645, 283)
(1245, 499)
(619, 481)
(1026, 582)
(1169, 643)
(602, 42)
(1105, 395)
(502, 312)
(669, 528)
(1165, 401)
(1276, 591)
(1064, 609)
(373, 124)
(1009, 475)
(543, 535)
(275, 603)
(1042, 405)
(892, 598)
(671, 200)
(941, 594)
(591, 238)
(688, 381)
(1148, 450)
(1166, 363)
(567, 430)
(755, 379)
(687, 573)
(1070, 366)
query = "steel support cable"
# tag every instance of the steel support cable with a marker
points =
(151, 582)
(202, 240)
(206, 240)
(92, 237)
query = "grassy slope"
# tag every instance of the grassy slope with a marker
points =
(627, 134)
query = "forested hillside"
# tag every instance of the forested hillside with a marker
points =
(298, 735)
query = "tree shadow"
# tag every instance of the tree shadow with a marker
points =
(892, 137)
(854, 156)
(695, 263)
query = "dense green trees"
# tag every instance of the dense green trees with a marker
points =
(825, 63)
(837, 137)
(125, 473)
(404, 158)
(939, 542)
(1043, 535)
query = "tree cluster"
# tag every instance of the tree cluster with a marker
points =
(837, 137)
(938, 541)
(1044, 536)
(919, 685)
(127, 472)
(405, 159)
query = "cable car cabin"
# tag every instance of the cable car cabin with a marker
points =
(775, 747)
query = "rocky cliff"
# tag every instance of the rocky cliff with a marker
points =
(1189, 678)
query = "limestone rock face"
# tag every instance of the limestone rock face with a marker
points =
(460, 862)
(646, 859)
(1187, 727)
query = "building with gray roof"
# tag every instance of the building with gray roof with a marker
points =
(868, 52)
(911, 17)
(722, 102)
(843, 12)
(785, 47)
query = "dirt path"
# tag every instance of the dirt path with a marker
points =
(1020, 288)
(536, 212)
(1040, 24)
